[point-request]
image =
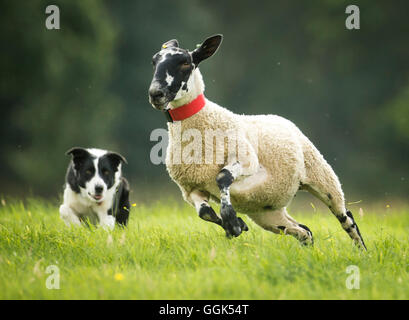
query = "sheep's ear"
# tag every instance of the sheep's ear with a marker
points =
(207, 49)
(170, 43)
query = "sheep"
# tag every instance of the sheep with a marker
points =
(278, 160)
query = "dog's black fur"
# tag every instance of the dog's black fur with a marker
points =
(121, 207)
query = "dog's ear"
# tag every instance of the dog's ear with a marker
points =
(78, 155)
(116, 158)
(207, 49)
(77, 152)
(170, 43)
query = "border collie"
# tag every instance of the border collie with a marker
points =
(95, 189)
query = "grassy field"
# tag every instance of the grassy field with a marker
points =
(167, 252)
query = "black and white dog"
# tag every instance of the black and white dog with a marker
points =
(95, 189)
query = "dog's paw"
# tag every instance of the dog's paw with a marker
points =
(108, 223)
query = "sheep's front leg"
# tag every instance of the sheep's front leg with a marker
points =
(230, 222)
(204, 210)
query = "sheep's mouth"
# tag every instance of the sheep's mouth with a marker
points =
(159, 103)
(160, 106)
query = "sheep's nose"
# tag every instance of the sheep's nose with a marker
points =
(156, 93)
(99, 189)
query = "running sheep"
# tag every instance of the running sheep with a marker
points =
(277, 161)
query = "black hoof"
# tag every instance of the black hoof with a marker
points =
(362, 245)
(243, 225)
(230, 222)
(308, 241)
(232, 229)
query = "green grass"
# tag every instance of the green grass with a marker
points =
(167, 252)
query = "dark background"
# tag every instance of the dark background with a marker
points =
(86, 84)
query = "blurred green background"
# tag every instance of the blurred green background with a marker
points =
(86, 84)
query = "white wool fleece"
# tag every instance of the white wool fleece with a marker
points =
(281, 159)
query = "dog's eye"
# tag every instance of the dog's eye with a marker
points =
(88, 172)
(105, 172)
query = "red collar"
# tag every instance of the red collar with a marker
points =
(187, 110)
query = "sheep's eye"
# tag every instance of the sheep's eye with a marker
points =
(185, 66)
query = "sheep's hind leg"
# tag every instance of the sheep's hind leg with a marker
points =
(279, 220)
(335, 202)
(232, 224)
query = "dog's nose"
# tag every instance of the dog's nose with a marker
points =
(156, 93)
(99, 189)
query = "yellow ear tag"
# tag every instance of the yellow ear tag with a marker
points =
(164, 46)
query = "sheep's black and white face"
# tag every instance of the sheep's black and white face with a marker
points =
(173, 67)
